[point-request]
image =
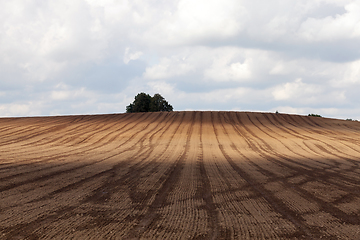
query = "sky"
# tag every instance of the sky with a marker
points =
(93, 56)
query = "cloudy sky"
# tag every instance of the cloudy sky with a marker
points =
(93, 56)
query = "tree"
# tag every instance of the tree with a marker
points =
(140, 104)
(314, 115)
(159, 104)
(130, 108)
(145, 103)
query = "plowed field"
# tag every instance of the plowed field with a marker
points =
(179, 175)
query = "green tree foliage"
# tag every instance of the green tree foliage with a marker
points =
(145, 103)
(314, 115)
(130, 108)
(159, 104)
(141, 103)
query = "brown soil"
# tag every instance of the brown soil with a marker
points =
(179, 175)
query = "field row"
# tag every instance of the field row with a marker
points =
(179, 175)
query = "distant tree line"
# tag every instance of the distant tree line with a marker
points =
(145, 103)
(314, 115)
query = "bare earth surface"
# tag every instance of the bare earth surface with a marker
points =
(179, 175)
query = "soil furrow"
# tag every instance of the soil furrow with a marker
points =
(325, 206)
(173, 175)
(277, 204)
(179, 175)
(205, 193)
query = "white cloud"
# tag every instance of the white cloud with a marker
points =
(128, 56)
(21, 109)
(278, 69)
(161, 87)
(199, 54)
(352, 73)
(60, 95)
(176, 65)
(295, 90)
(332, 28)
(209, 18)
(221, 71)
(189, 22)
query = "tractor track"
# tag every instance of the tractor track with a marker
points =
(179, 175)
